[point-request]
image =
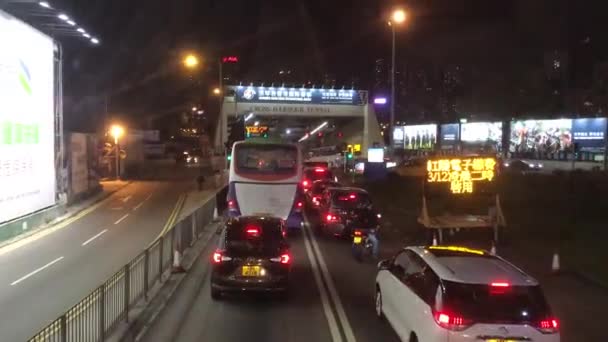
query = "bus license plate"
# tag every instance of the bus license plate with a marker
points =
(251, 271)
(357, 240)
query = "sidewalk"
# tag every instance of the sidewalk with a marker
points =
(24, 228)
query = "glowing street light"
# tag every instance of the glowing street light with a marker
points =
(194, 109)
(191, 61)
(217, 91)
(94, 40)
(117, 131)
(397, 17)
(63, 17)
(44, 4)
(70, 22)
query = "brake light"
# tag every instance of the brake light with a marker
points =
(352, 196)
(451, 321)
(331, 218)
(217, 257)
(231, 204)
(305, 183)
(500, 284)
(299, 204)
(252, 230)
(284, 259)
(319, 170)
(357, 233)
(548, 326)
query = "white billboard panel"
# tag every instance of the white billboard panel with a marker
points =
(27, 171)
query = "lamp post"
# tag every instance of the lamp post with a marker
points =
(398, 17)
(117, 131)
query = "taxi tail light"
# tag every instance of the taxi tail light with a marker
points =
(358, 233)
(452, 321)
(331, 217)
(284, 259)
(305, 183)
(548, 326)
(319, 170)
(218, 257)
(299, 204)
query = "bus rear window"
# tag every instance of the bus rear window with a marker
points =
(266, 159)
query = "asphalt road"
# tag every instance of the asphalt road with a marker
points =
(331, 299)
(45, 277)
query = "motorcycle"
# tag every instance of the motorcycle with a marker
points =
(361, 247)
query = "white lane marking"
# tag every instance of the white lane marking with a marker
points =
(126, 199)
(35, 271)
(142, 202)
(348, 331)
(329, 314)
(94, 237)
(122, 218)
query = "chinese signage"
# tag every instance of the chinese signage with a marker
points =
(230, 59)
(256, 131)
(461, 173)
(300, 95)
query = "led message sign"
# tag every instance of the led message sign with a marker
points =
(461, 173)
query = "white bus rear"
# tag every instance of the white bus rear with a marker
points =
(265, 180)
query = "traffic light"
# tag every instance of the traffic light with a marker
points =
(229, 157)
(349, 155)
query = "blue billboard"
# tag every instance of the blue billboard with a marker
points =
(589, 133)
(450, 135)
(259, 94)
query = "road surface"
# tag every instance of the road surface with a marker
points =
(44, 277)
(331, 299)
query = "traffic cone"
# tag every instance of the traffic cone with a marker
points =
(177, 263)
(434, 240)
(493, 250)
(555, 263)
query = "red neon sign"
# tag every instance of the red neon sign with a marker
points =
(230, 59)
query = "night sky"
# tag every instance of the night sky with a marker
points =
(137, 71)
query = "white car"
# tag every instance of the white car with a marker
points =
(458, 294)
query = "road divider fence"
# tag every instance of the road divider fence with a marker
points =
(96, 316)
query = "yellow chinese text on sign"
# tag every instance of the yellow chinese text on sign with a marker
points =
(461, 173)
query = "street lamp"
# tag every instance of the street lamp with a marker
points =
(117, 131)
(397, 18)
(217, 91)
(191, 61)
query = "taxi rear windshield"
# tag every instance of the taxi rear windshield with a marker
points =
(266, 159)
(485, 304)
(253, 237)
(350, 200)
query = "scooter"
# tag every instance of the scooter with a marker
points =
(361, 246)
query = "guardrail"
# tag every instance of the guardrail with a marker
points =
(97, 315)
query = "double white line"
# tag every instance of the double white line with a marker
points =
(323, 279)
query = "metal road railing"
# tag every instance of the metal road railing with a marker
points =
(97, 315)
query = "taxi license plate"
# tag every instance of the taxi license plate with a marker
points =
(251, 271)
(357, 239)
